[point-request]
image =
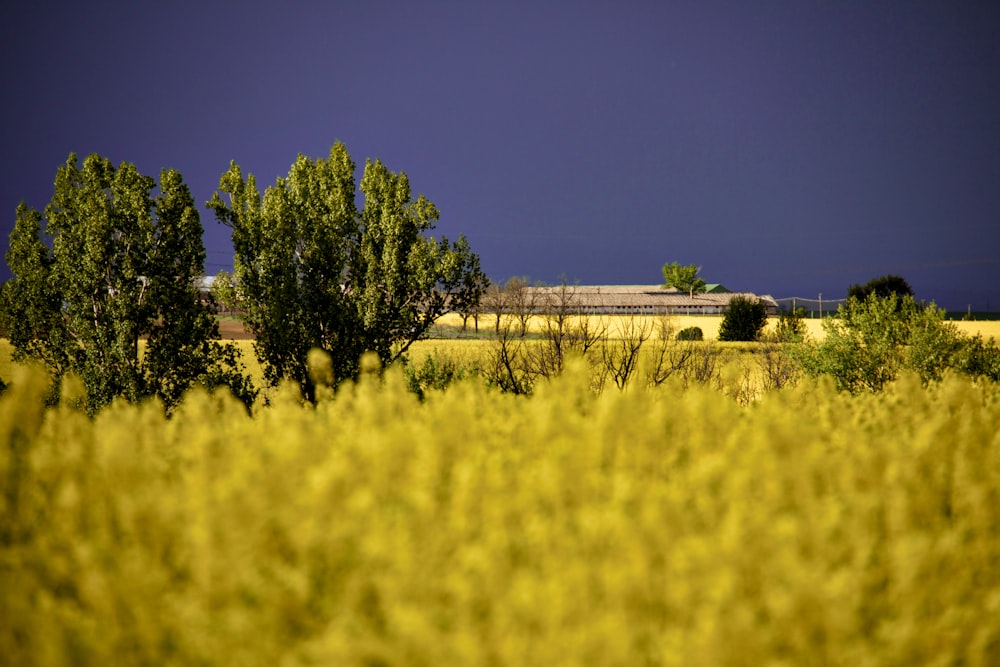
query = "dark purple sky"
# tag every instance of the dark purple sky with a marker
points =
(788, 148)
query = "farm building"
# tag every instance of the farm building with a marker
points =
(638, 300)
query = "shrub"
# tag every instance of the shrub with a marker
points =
(436, 372)
(691, 333)
(979, 358)
(744, 320)
(870, 342)
(790, 328)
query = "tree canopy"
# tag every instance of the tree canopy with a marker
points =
(744, 320)
(874, 339)
(882, 287)
(315, 271)
(683, 277)
(120, 265)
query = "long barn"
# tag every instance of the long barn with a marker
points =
(639, 300)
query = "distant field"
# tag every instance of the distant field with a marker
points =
(986, 328)
(448, 338)
(451, 324)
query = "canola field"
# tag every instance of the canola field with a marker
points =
(644, 527)
(709, 324)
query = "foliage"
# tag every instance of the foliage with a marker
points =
(659, 527)
(684, 278)
(436, 372)
(870, 342)
(882, 287)
(317, 272)
(225, 291)
(744, 320)
(690, 333)
(465, 298)
(791, 328)
(979, 358)
(122, 266)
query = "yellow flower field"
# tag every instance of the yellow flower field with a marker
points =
(467, 349)
(654, 527)
(709, 324)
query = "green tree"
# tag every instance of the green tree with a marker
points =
(744, 320)
(684, 278)
(122, 266)
(466, 296)
(315, 272)
(691, 333)
(791, 327)
(882, 287)
(979, 357)
(225, 291)
(872, 341)
(29, 306)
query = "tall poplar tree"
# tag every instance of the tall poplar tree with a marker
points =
(122, 266)
(314, 271)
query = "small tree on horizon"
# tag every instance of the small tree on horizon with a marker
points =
(744, 320)
(684, 278)
(882, 287)
(226, 292)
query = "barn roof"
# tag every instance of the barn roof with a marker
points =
(644, 296)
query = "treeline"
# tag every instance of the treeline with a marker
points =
(109, 263)
(104, 288)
